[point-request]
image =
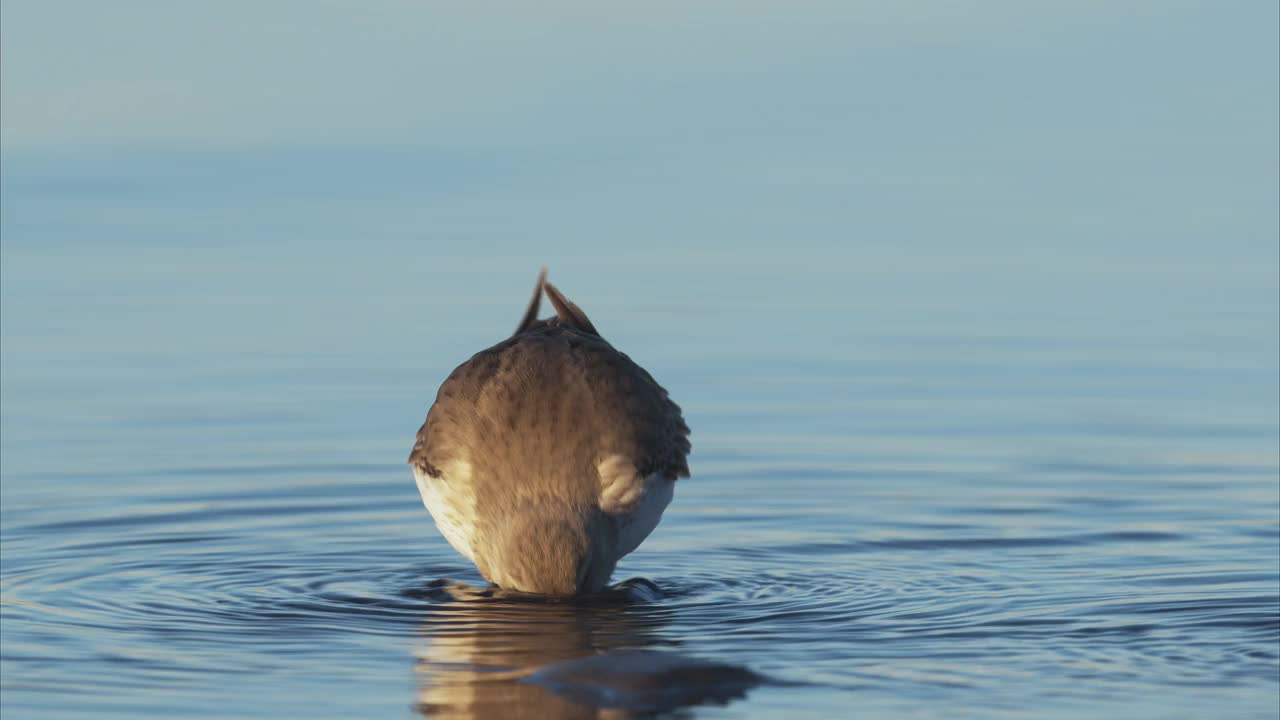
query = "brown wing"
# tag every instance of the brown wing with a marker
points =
(650, 429)
(553, 396)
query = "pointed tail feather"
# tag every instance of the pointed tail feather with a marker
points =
(568, 312)
(531, 313)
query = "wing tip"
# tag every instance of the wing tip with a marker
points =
(568, 312)
(535, 302)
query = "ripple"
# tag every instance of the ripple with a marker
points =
(168, 590)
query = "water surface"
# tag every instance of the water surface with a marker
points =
(888, 519)
(974, 320)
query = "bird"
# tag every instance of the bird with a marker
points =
(549, 456)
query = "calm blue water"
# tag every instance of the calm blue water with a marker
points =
(974, 322)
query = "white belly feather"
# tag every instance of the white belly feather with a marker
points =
(635, 503)
(644, 516)
(451, 503)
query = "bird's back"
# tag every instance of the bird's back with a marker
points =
(540, 451)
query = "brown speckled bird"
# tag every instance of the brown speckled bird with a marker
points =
(548, 457)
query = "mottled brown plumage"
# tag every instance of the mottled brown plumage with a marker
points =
(541, 454)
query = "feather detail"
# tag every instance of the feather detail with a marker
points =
(569, 313)
(535, 302)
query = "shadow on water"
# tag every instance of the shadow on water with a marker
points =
(487, 653)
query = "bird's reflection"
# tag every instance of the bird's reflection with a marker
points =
(479, 645)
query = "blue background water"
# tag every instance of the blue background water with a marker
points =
(973, 312)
